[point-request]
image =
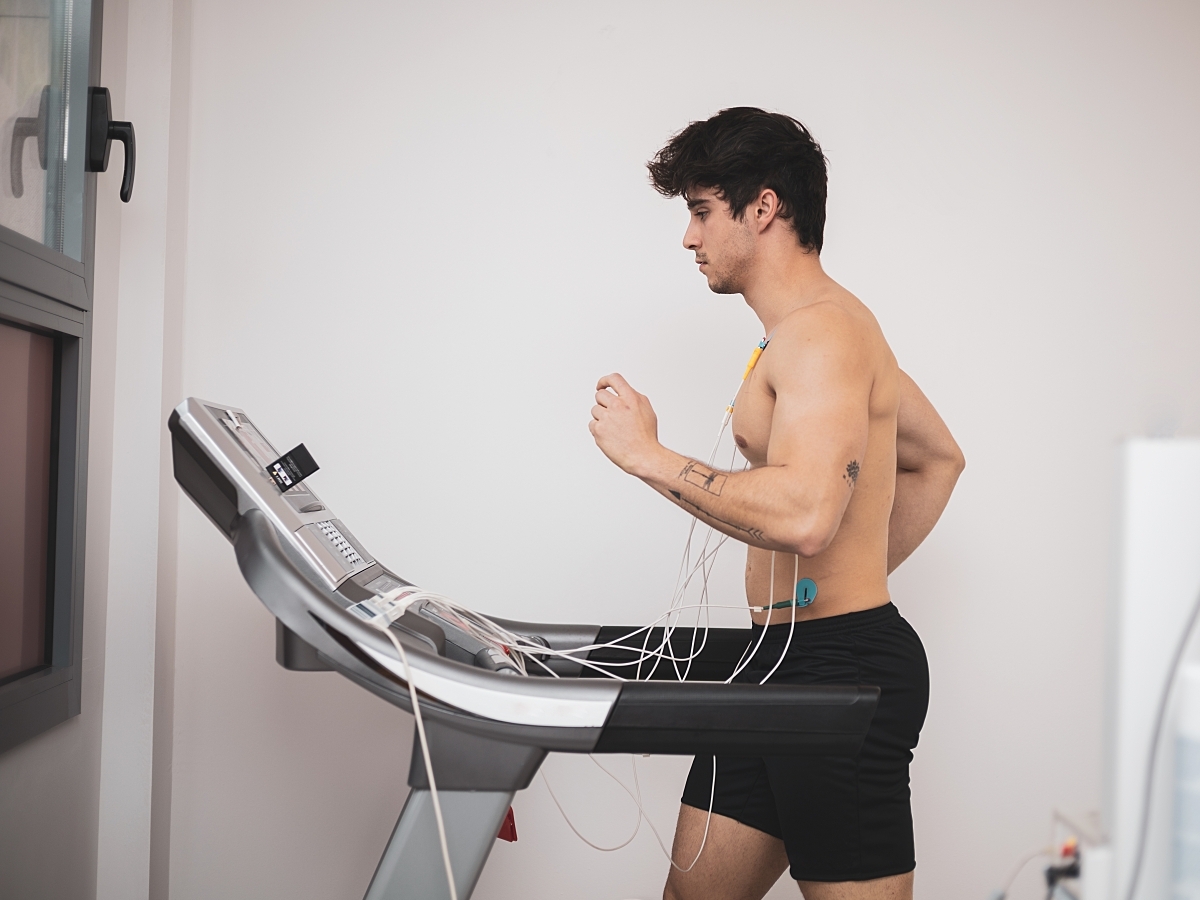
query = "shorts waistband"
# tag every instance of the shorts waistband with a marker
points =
(846, 622)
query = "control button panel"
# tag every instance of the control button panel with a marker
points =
(336, 550)
(340, 544)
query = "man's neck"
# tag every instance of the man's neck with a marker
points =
(783, 283)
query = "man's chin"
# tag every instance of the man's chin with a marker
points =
(721, 286)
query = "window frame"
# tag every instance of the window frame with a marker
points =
(51, 293)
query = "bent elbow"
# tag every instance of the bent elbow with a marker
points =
(807, 549)
(948, 462)
(958, 461)
(810, 541)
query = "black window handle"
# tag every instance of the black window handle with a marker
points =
(27, 127)
(101, 132)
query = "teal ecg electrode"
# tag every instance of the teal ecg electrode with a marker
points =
(806, 592)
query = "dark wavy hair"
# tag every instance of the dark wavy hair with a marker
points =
(741, 151)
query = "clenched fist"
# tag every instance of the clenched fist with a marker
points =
(624, 425)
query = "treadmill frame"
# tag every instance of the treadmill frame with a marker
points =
(481, 761)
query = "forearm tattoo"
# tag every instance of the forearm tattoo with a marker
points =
(752, 532)
(703, 477)
(851, 475)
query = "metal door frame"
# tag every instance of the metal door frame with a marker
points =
(49, 292)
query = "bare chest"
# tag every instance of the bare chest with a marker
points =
(752, 414)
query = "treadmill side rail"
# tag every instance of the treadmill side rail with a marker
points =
(746, 719)
(475, 699)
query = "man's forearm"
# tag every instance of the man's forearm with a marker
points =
(699, 504)
(755, 506)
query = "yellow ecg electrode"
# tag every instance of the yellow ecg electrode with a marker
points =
(762, 345)
(757, 352)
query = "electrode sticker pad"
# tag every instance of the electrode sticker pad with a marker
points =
(806, 592)
(292, 468)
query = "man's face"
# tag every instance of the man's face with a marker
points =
(724, 245)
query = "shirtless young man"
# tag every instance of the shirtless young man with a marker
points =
(850, 468)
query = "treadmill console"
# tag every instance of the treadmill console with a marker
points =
(205, 431)
(311, 528)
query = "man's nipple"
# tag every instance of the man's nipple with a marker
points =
(740, 441)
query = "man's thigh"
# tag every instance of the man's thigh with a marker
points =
(894, 887)
(738, 862)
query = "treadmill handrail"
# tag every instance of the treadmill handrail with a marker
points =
(559, 703)
(571, 714)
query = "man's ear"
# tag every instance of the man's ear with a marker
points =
(766, 209)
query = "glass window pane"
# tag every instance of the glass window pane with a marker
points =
(43, 119)
(26, 418)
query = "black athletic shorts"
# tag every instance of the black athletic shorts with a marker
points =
(840, 818)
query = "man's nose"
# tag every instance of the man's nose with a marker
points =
(691, 238)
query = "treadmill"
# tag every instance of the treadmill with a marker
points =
(488, 726)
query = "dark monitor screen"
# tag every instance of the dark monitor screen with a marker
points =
(27, 368)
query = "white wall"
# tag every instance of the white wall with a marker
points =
(417, 233)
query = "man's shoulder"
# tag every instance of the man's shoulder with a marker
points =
(835, 337)
(837, 320)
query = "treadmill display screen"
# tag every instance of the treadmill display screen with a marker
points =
(251, 440)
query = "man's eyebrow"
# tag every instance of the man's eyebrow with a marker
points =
(692, 204)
